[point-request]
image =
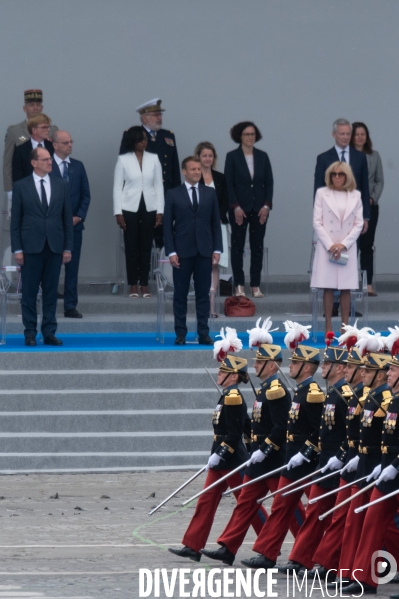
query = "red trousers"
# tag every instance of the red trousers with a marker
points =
(312, 529)
(244, 512)
(378, 531)
(274, 530)
(329, 549)
(200, 526)
(352, 531)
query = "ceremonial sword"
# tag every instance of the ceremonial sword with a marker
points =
(217, 482)
(364, 507)
(338, 489)
(329, 475)
(288, 486)
(155, 509)
(336, 507)
(254, 480)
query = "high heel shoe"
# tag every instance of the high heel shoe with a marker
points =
(240, 291)
(256, 292)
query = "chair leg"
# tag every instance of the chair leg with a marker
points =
(3, 318)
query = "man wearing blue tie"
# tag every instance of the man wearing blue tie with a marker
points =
(73, 172)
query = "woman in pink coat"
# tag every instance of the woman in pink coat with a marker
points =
(337, 222)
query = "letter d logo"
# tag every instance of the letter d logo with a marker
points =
(383, 567)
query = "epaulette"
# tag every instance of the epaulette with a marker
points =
(346, 391)
(233, 398)
(275, 391)
(315, 394)
(387, 397)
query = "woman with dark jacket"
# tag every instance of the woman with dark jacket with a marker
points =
(249, 180)
(206, 152)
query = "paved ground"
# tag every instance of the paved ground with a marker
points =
(91, 541)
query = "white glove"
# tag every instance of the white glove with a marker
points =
(297, 460)
(213, 461)
(333, 464)
(351, 466)
(375, 474)
(257, 456)
(389, 473)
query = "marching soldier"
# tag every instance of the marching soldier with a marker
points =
(228, 451)
(301, 444)
(268, 427)
(331, 436)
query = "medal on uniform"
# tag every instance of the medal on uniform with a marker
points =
(367, 417)
(351, 413)
(329, 415)
(390, 422)
(216, 414)
(257, 411)
(294, 411)
(169, 141)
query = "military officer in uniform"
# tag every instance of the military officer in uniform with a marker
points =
(161, 142)
(329, 549)
(331, 436)
(268, 428)
(19, 134)
(227, 453)
(300, 455)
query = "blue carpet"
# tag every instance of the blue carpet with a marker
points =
(125, 342)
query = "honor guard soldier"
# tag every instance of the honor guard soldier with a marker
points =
(375, 370)
(331, 436)
(268, 428)
(301, 444)
(328, 552)
(18, 134)
(379, 530)
(228, 450)
(161, 142)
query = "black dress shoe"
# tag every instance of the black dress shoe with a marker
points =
(291, 567)
(186, 552)
(222, 554)
(363, 589)
(52, 340)
(30, 341)
(205, 340)
(72, 313)
(258, 562)
(180, 340)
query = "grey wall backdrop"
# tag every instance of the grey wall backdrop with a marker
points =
(292, 66)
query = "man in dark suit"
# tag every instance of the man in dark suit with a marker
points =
(342, 132)
(193, 242)
(41, 239)
(39, 129)
(74, 173)
(161, 142)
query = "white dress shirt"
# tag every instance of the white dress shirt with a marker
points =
(36, 143)
(47, 186)
(60, 161)
(190, 192)
(339, 152)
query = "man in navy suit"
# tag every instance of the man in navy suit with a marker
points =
(39, 130)
(74, 173)
(193, 242)
(41, 239)
(342, 132)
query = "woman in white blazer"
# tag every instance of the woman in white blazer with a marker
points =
(337, 222)
(138, 206)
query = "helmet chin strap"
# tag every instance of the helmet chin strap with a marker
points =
(262, 369)
(329, 372)
(225, 379)
(374, 377)
(299, 372)
(395, 383)
(353, 374)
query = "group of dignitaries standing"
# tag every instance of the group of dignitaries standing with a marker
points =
(340, 448)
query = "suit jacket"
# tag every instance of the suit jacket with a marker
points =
(21, 164)
(31, 226)
(219, 180)
(165, 148)
(188, 233)
(249, 194)
(376, 176)
(358, 163)
(131, 181)
(15, 136)
(79, 190)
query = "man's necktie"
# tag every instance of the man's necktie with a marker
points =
(65, 174)
(343, 156)
(44, 196)
(40, 145)
(153, 135)
(195, 199)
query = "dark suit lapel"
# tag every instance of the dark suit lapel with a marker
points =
(34, 193)
(244, 163)
(186, 196)
(56, 169)
(55, 183)
(257, 163)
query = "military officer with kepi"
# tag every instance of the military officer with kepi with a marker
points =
(301, 444)
(268, 427)
(228, 451)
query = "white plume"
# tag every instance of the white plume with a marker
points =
(295, 334)
(352, 335)
(229, 343)
(259, 335)
(392, 339)
(370, 342)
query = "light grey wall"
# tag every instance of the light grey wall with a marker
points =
(292, 66)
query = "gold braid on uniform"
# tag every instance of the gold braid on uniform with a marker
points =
(233, 398)
(275, 391)
(386, 400)
(315, 394)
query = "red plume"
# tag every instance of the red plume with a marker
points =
(329, 338)
(350, 342)
(395, 348)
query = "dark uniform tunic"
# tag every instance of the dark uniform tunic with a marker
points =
(350, 447)
(390, 443)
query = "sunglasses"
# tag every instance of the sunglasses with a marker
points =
(340, 175)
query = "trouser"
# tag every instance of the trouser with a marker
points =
(71, 273)
(353, 529)
(138, 237)
(234, 534)
(201, 268)
(40, 269)
(312, 529)
(200, 526)
(378, 531)
(275, 529)
(256, 237)
(366, 245)
(329, 549)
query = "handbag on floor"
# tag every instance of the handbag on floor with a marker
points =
(239, 306)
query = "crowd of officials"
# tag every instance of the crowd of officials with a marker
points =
(148, 208)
